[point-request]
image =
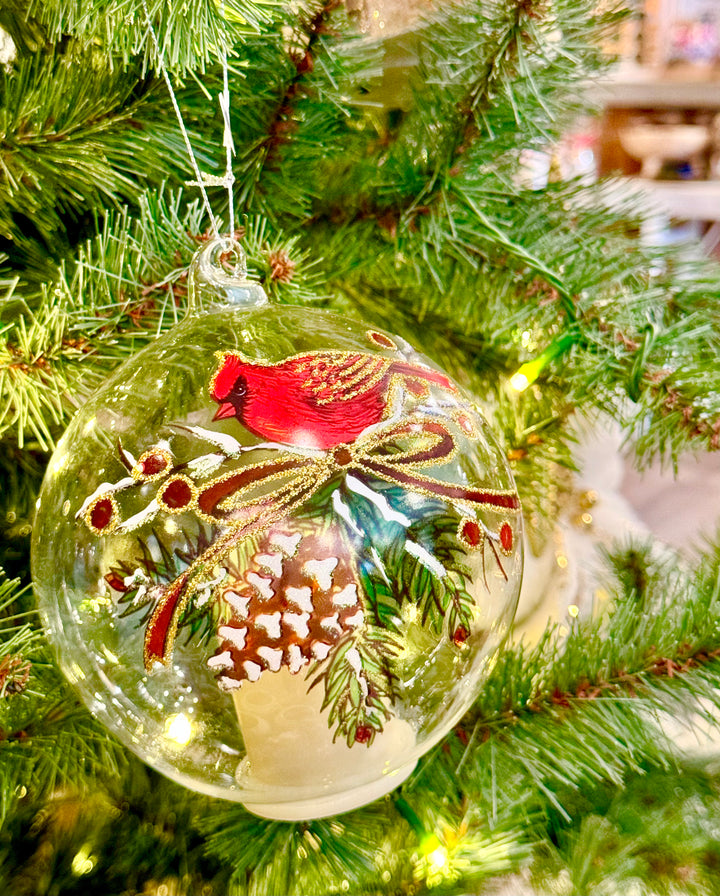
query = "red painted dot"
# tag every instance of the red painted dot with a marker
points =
(381, 339)
(152, 464)
(506, 537)
(102, 513)
(460, 636)
(177, 494)
(363, 733)
(471, 533)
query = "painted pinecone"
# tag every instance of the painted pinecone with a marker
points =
(295, 600)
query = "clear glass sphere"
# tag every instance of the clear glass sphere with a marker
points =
(277, 553)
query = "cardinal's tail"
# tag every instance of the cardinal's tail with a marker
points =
(416, 377)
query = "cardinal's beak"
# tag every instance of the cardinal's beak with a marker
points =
(225, 410)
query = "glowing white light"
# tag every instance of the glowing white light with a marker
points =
(83, 862)
(519, 382)
(179, 729)
(438, 859)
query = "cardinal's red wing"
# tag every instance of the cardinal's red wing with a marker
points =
(341, 376)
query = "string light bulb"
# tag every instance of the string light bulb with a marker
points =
(528, 372)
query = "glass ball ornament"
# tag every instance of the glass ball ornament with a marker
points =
(277, 552)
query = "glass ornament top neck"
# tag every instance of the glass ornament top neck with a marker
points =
(218, 276)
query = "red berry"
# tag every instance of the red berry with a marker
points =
(152, 464)
(506, 537)
(460, 636)
(465, 424)
(363, 733)
(177, 494)
(102, 514)
(471, 533)
(381, 339)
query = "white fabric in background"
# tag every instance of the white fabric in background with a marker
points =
(681, 509)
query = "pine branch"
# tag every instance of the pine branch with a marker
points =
(188, 42)
(324, 856)
(45, 741)
(21, 473)
(307, 111)
(490, 81)
(657, 831)
(18, 639)
(75, 136)
(71, 842)
(124, 289)
(27, 35)
(359, 701)
(658, 345)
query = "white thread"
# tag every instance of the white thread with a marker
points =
(224, 98)
(200, 179)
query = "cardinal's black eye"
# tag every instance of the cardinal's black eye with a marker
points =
(239, 389)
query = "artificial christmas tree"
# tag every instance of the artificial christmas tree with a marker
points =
(398, 195)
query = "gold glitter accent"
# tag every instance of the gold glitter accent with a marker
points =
(418, 387)
(246, 488)
(463, 537)
(151, 657)
(359, 375)
(251, 492)
(465, 423)
(399, 468)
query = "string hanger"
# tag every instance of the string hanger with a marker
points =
(202, 179)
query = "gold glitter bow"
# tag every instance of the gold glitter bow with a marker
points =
(249, 500)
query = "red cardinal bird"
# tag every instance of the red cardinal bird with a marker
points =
(314, 400)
